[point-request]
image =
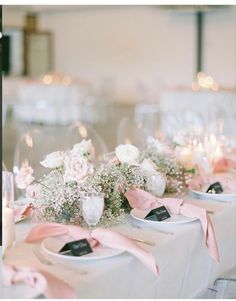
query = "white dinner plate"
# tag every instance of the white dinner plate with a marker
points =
(52, 245)
(223, 197)
(172, 221)
(228, 182)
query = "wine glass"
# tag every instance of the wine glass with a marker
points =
(31, 148)
(131, 132)
(92, 208)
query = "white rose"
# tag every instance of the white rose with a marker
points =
(84, 148)
(76, 168)
(148, 167)
(53, 160)
(127, 153)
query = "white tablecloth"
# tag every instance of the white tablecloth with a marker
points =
(188, 110)
(186, 268)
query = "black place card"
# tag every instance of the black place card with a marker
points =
(77, 248)
(215, 188)
(158, 214)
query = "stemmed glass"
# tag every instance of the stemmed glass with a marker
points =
(92, 208)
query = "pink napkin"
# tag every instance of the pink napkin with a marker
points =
(106, 237)
(143, 200)
(23, 211)
(49, 285)
(224, 164)
(227, 181)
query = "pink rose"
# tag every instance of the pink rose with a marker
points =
(76, 168)
(24, 177)
(32, 191)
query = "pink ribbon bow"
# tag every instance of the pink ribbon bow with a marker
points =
(49, 285)
(106, 237)
(143, 200)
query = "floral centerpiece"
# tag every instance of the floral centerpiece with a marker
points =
(56, 197)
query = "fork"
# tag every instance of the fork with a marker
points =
(147, 242)
(161, 231)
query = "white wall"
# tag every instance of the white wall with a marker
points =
(12, 16)
(220, 46)
(128, 45)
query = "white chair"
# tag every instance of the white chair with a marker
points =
(131, 132)
(78, 131)
(32, 147)
(4, 168)
(168, 121)
(224, 288)
(4, 113)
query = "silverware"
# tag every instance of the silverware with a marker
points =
(147, 242)
(161, 231)
(221, 201)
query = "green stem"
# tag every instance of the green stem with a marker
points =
(43, 185)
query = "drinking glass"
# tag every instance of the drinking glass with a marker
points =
(92, 208)
(156, 184)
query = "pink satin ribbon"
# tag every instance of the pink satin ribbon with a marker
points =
(143, 200)
(106, 237)
(44, 282)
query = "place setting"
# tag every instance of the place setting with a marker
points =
(66, 250)
(215, 187)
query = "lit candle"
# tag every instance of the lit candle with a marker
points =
(8, 220)
(184, 155)
(198, 151)
(8, 230)
(218, 154)
(213, 140)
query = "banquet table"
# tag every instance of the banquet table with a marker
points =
(186, 268)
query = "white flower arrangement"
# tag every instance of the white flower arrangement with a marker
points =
(57, 196)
